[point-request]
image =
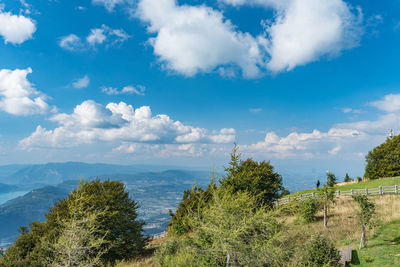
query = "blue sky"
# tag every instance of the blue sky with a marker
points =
(310, 85)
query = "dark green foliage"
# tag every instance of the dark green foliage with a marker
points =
(347, 178)
(359, 179)
(118, 225)
(319, 251)
(193, 202)
(384, 160)
(257, 178)
(330, 179)
(308, 209)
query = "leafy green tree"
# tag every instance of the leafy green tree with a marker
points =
(115, 233)
(327, 196)
(194, 200)
(233, 231)
(384, 160)
(347, 178)
(365, 215)
(78, 243)
(257, 178)
(330, 179)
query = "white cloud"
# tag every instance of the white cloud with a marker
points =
(18, 96)
(390, 103)
(111, 4)
(97, 36)
(198, 39)
(128, 90)
(304, 30)
(82, 82)
(195, 39)
(16, 29)
(356, 138)
(71, 42)
(91, 122)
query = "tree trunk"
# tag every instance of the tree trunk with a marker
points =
(363, 241)
(325, 216)
(228, 258)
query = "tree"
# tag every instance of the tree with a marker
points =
(384, 160)
(330, 179)
(327, 195)
(233, 231)
(101, 211)
(78, 243)
(194, 200)
(365, 215)
(257, 178)
(347, 178)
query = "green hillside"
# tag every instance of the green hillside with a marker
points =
(360, 185)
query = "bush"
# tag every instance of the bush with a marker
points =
(319, 251)
(359, 179)
(308, 209)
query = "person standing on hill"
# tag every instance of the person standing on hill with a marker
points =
(318, 184)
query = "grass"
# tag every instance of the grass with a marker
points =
(383, 248)
(360, 185)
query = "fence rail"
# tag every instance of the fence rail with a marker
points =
(382, 190)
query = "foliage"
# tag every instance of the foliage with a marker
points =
(78, 243)
(365, 215)
(233, 229)
(319, 251)
(359, 179)
(257, 178)
(330, 179)
(384, 160)
(347, 178)
(367, 209)
(193, 202)
(308, 209)
(115, 232)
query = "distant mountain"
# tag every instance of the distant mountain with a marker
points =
(5, 188)
(156, 192)
(55, 173)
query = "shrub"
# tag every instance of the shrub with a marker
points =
(308, 209)
(319, 251)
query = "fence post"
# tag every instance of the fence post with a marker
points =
(396, 189)
(288, 199)
(380, 190)
(301, 196)
(338, 193)
(313, 194)
(352, 191)
(366, 191)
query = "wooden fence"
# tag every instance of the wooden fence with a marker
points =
(382, 190)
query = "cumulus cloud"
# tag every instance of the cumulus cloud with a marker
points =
(97, 36)
(16, 29)
(82, 82)
(127, 90)
(197, 39)
(119, 122)
(390, 103)
(18, 96)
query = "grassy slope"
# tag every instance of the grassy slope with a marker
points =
(360, 185)
(383, 248)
